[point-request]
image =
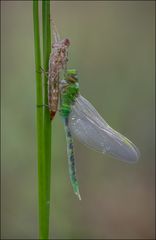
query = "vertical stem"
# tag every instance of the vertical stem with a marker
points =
(42, 118)
(47, 121)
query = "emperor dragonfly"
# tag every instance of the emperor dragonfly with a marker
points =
(82, 121)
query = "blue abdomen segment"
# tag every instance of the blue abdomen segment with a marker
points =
(71, 158)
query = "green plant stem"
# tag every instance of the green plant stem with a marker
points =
(43, 120)
(47, 121)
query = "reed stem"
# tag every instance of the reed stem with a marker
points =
(42, 117)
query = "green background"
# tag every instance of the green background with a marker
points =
(112, 47)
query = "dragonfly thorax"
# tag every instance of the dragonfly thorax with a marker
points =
(69, 92)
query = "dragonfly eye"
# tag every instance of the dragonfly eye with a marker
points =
(72, 79)
(71, 76)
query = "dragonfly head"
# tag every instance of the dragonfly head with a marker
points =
(71, 76)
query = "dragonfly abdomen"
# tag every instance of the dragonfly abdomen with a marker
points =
(71, 158)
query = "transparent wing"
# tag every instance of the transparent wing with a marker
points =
(90, 128)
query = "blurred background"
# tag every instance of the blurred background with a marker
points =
(112, 47)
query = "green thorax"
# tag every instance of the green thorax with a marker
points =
(69, 92)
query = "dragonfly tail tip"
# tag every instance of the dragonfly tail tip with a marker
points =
(78, 195)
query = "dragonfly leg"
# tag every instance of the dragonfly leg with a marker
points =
(42, 105)
(44, 72)
(63, 85)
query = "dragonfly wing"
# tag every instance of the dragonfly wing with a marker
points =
(92, 130)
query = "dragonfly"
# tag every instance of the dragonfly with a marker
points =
(57, 61)
(82, 121)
